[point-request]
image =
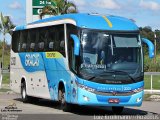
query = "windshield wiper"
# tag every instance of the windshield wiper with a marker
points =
(125, 73)
(108, 71)
(118, 71)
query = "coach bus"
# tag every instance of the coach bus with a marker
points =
(83, 59)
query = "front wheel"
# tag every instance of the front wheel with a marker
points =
(63, 104)
(117, 109)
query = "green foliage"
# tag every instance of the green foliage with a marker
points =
(150, 65)
(148, 33)
(59, 7)
(6, 24)
(6, 27)
(6, 78)
(6, 54)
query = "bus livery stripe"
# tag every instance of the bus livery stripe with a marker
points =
(108, 21)
(53, 55)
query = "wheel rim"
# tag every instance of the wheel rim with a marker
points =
(23, 93)
(62, 98)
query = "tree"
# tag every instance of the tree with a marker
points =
(6, 27)
(59, 7)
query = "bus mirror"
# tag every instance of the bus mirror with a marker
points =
(76, 44)
(150, 47)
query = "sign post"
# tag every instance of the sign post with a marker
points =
(0, 76)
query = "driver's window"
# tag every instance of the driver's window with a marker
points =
(71, 29)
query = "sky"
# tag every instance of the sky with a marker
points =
(144, 12)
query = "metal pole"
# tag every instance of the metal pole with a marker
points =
(155, 44)
(151, 83)
(3, 52)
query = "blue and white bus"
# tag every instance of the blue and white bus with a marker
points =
(83, 59)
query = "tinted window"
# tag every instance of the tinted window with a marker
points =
(52, 39)
(71, 29)
(22, 47)
(40, 40)
(60, 42)
(31, 41)
(15, 41)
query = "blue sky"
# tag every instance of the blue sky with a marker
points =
(144, 12)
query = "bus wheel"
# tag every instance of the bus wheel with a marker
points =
(63, 104)
(117, 109)
(25, 97)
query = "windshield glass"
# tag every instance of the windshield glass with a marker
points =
(104, 54)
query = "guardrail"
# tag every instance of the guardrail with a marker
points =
(5, 71)
(151, 90)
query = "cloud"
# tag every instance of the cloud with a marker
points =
(79, 2)
(107, 4)
(152, 5)
(15, 5)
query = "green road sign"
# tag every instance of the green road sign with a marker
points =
(42, 3)
(37, 11)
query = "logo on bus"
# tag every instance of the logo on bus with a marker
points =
(32, 60)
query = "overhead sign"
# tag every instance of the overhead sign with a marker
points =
(34, 9)
(41, 2)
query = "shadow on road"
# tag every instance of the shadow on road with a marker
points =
(89, 111)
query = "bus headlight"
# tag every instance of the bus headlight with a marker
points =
(86, 88)
(138, 90)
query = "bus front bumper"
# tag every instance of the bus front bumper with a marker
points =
(90, 99)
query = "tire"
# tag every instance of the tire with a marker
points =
(63, 104)
(25, 97)
(117, 110)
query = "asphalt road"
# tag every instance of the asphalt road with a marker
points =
(44, 109)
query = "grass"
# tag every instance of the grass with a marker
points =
(147, 97)
(6, 79)
(4, 90)
(156, 82)
(6, 57)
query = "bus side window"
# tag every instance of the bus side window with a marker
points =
(51, 44)
(24, 47)
(32, 47)
(60, 42)
(73, 61)
(51, 39)
(15, 41)
(23, 41)
(41, 46)
(42, 40)
(32, 36)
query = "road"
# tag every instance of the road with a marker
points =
(41, 108)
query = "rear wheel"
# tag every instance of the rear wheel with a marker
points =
(117, 109)
(25, 97)
(63, 104)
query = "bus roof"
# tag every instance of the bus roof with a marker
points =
(91, 21)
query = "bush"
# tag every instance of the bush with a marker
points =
(150, 65)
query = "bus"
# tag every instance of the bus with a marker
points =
(82, 59)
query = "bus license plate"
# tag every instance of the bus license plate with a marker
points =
(114, 100)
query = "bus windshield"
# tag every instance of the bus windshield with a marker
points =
(110, 58)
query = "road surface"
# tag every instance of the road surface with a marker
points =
(43, 109)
